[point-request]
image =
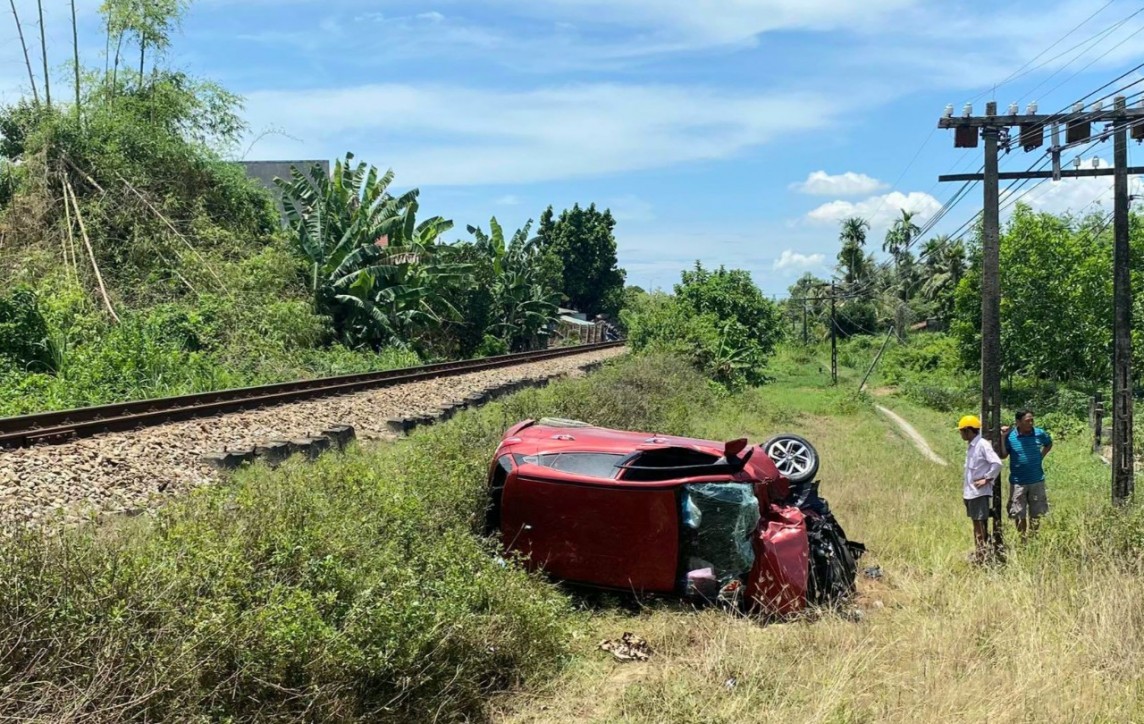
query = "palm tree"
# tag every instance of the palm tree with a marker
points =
(901, 235)
(933, 254)
(946, 266)
(852, 260)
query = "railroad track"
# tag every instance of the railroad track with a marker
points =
(65, 425)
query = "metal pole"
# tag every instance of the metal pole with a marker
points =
(833, 339)
(805, 335)
(1122, 455)
(991, 312)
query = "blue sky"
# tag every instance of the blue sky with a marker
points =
(737, 132)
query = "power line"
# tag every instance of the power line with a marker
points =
(1094, 40)
(1102, 56)
(1015, 75)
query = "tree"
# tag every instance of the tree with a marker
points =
(944, 265)
(853, 263)
(719, 320)
(149, 23)
(373, 268)
(523, 286)
(1057, 302)
(583, 239)
(901, 235)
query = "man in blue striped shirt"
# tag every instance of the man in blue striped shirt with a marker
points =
(1026, 447)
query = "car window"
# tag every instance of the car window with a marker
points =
(596, 465)
(668, 463)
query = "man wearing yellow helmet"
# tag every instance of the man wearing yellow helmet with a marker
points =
(982, 466)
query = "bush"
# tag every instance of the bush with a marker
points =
(942, 397)
(719, 321)
(24, 340)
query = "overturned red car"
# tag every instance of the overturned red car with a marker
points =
(655, 514)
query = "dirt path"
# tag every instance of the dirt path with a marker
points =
(914, 436)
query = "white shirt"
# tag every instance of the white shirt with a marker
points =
(981, 461)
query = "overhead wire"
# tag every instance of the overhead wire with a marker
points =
(1093, 40)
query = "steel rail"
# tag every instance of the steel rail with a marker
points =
(64, 425)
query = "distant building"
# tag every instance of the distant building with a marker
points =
(266, 171)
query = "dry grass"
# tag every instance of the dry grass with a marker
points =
(1056, 635)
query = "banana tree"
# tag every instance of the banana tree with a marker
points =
(524, 302)
(372, 268)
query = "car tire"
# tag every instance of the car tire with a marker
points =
(794, 456)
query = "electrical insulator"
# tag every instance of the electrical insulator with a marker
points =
(1078, 107)
(1098, 107)
(949, 110)
(1032, 109)
(1076, 163)
(968, 110)
(1095, 162)
(1013, 109)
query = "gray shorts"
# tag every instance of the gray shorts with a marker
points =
(978, 508)
(1029, 500)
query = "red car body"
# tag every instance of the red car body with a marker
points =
(624, 510)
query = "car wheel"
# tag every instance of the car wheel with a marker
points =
(794, 456)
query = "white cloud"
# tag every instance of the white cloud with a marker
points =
(820, 183)
(433, 16)
(508, 200)
(793, 260)
(450, 135)
(880, 211)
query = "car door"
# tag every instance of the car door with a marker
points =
(604, 533)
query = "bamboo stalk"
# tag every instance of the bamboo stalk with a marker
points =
(68, 241)
(174, 230)
(44, 56)
(75, 57)
(27, 58)
(90, 252)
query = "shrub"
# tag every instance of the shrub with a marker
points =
(718, 321)
(24, 339)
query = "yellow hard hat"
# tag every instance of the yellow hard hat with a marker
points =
(969, 421)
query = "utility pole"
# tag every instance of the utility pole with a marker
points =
(991, 314)
(805, 331)
(1032, 127)
(833, 339)
(1123, 461)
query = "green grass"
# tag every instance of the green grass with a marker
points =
(355, 589)
(351, 589)
(1054, 635)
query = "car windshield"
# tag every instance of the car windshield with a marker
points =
(719, 522)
